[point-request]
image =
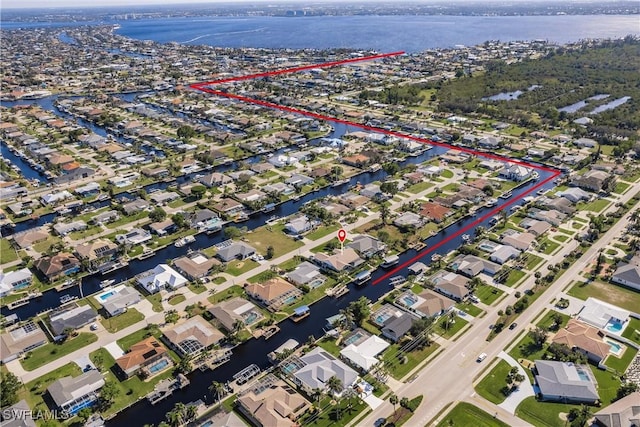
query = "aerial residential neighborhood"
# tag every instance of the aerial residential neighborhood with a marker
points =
(204, 236)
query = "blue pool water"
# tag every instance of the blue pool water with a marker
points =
(614, 327)
(207, 424)
(409, 301)
(251, 318)
(583, 375)
(288, 368)
(290, 300)
(381, 318)
(353, 338)
(106, 296)
(76, 408)
(615, 347)
(158, 366)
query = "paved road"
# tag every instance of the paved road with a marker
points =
(448, 377)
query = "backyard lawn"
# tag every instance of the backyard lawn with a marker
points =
(490, 387)
(263, 237)
(51, 351)
(465, 414)
(543, 414)
(33, 391)
(609, 292)
(620, 364)
(121, 321)
(125, 343)
(632, 331)
(8, 253)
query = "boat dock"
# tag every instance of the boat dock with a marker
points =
(24, 300)
(165, 388)
(338, 291)
(268, 333)
(300, 313)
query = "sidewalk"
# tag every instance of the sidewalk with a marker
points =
(524, 390)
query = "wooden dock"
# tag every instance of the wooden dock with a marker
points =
(165, 388)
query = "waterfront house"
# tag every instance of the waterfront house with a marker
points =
(236, 250)
(97, 252)
(142, 355)
(233, 310)
(91, 189)
(535, 227)
(427, 304)
(408, 220)
(74, 318)
(71, 394)
(273, 293)
(565, 382)
(340, 260)
(161, 198)
(201, 217)
(215, 179)
(228, 206)
(136, 236)
(160, 277)
(25, 239)
(583, 338)
(515, 172)
(192, 337)
(363, 354)
(116, 301)
(574, 194)
(300, 225)
(395, 327)
(275, 404)
(135, 206)
(55, 198)
(452, 285)
(299, 180)
(162, 228)
(504, 253)
(15, 280)
(317, 367)
(471, 265)
(367, 246)
(306, 274)
(20, 340)
(56, 266)
(195, 265)
(64, 228)
(434, 212)
(105, 217)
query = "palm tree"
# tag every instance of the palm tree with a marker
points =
(316, 394)
(217, 389)
(191, 413)
(384, 212)
(238, 325)
(393, 399)
(404, 402)
(334, 384)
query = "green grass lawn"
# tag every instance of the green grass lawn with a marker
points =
(632, 331)
(401, 415)
(399, 370)
(43, 246)
(447, 174)
(488, 294)
(322, 231)
(621, 187)
(290, 264)
(127, 219)
(121, 321)
(609, 292)
(8, 253)
(470, 308)
(196, 288)
(156, 302)
(533, 261)
(608, 384)
(490, 387)
(549, 246)
(526, 349)
(33, 391)
(596, 206)
(328, 416)
(330, 345)
(176, 299)
(419, 187)
(233, 291)
(620, 364)
(547, 320)
(48, 352)
(452, 329)
(236, 268)
(543, 414)
(560, 238)
(263, 237)
(465, 414)
(514, 277)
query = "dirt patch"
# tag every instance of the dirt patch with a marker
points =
(239, 265)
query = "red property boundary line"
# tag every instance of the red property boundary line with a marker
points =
(203, 86)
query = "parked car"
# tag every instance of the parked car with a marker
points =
(513, 325)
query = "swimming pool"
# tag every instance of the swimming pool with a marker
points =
(251, 317)
(582, 374)
(615, 327)
(158, 366)
(106, 296)
(353, 338)
(409, 300)
(78, 406)
(614, 347)
(290, 300)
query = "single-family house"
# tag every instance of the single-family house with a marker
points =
(628, 274)
(136, 236)
(621, 413)
(236, 250)
(273, 405)
(191, 337)
(160, 277)
(318, 366)
(234, 310)
(434, 212)
(20, 340)
(340, 260)
(97, 252)
(215, 179)
(565, 382)
(395, 327)
(299, 180)
(57, 266)
(408, 220)
(228, 206)
(273, 293)
(300, 225)
(367, 246)
(135, 206)
(520, 241)
(71, 394)
(603, 315)
(471, 265)
(515, 172)
(116, 300)
(308, 274)
(592, 180)
(504, 253)
(162, 228)
(74, 318)
(584, 338)
(25, 239)
(574, 194)
(14, 415)
(195, 265)
(363, 354)
(15, 280)
(142, 355)
(452, 285)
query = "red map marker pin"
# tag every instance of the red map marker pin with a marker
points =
(342, 235)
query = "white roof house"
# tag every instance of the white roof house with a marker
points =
(600, 314)
(162, 276)
(364, 354)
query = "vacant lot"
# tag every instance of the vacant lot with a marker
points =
(613, 294)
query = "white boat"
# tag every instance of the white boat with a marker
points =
(397, 281)
(390, 261)
(466, 238)
(66, 298)
(185, 241)
(506, 195)
(107, 282)
(491, 202)
(339, 183)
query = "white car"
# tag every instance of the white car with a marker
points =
(94, 327)
(481, 357)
